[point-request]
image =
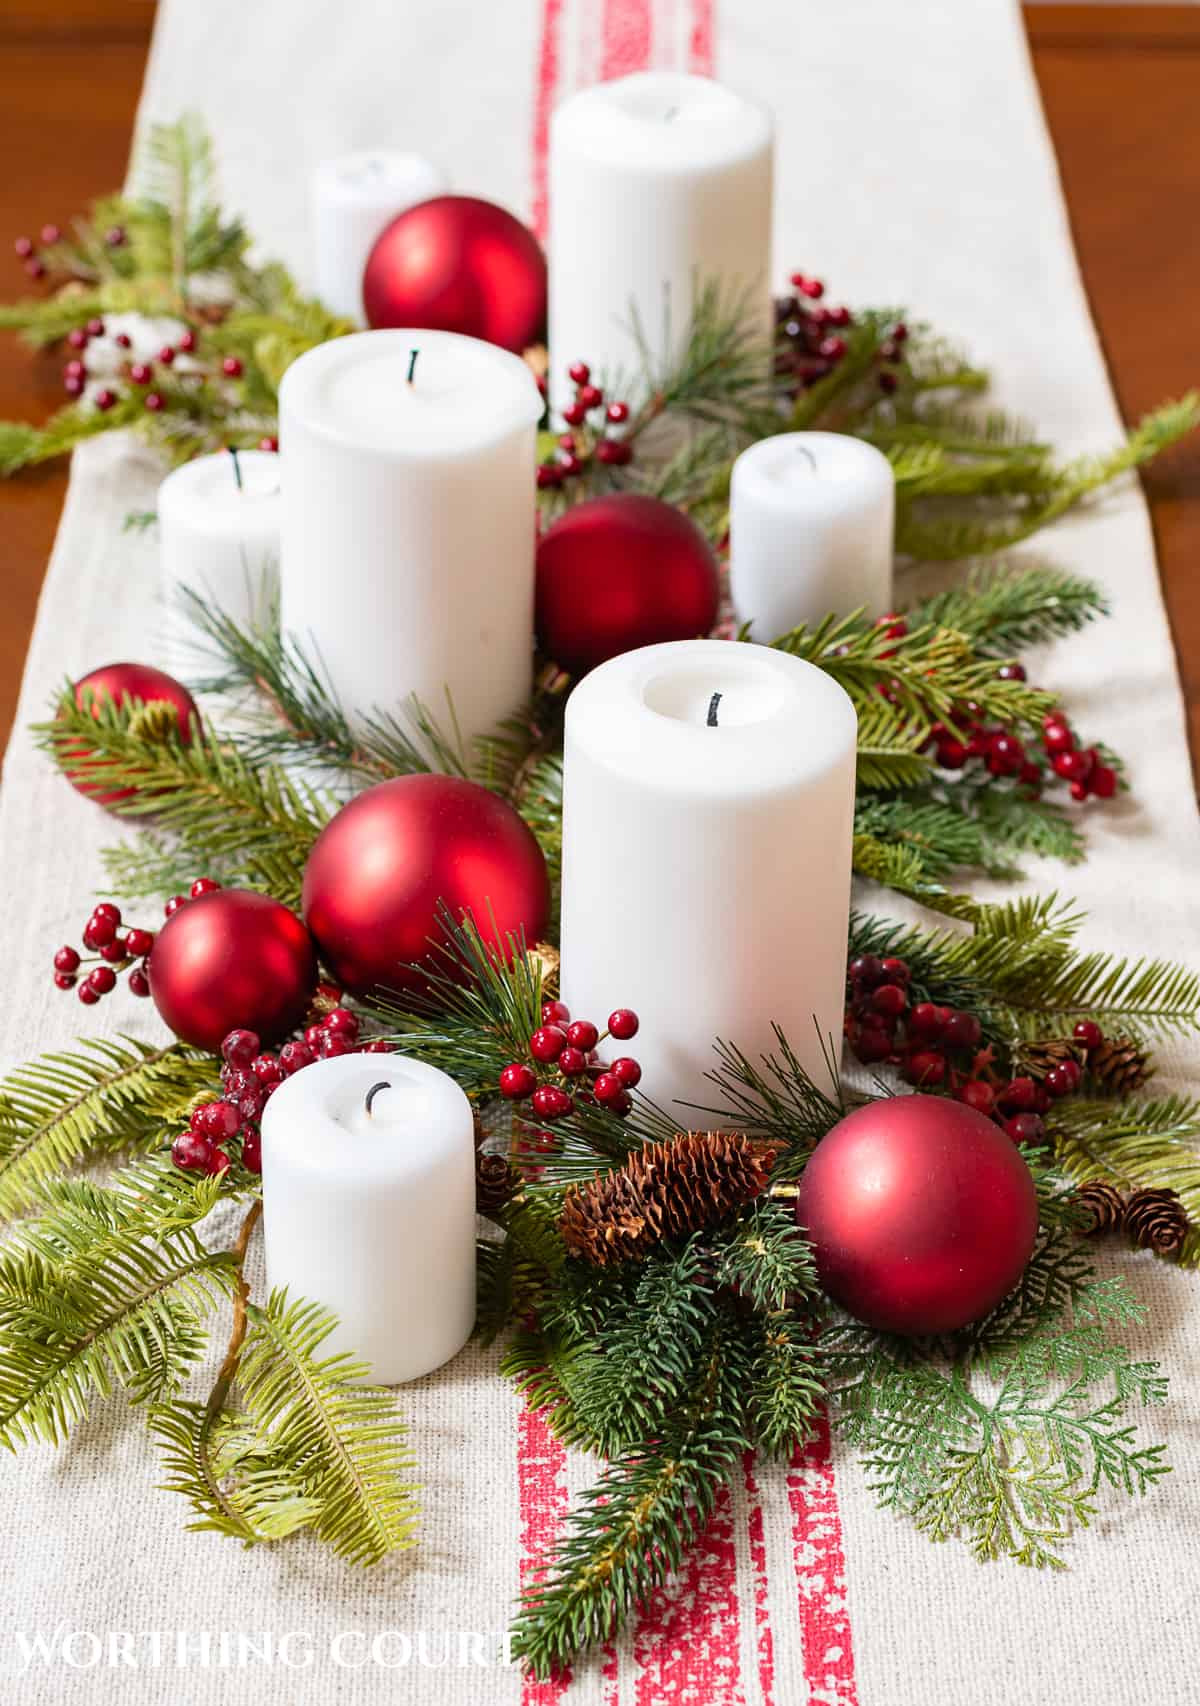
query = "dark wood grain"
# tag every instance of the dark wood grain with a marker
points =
(1119, 84)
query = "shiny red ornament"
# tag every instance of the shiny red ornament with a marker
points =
(922, 1214)
(618, 572)
(458, 264)
(380, 870)
(228, 961)
(117, 682)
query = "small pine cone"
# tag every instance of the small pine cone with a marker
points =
(666, 1190)
(537, 360)
(155, 722)
(1118, 1066)
(495, 1183)
(543, 957)
(1037, 1059)
(1105, 1204)
(1156, 1220)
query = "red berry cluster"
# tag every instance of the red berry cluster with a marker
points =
(1001, 750)
(33, 259)
(938, 1049)
(109, 950)
(601, 440)
(249, 1078)
(810, 340)
(564, 1053)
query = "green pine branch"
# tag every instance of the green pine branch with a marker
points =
(631, 1530)
(64, 1109)
(110, 1289)
(1006, 607)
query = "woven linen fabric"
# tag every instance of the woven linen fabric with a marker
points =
(914, 167)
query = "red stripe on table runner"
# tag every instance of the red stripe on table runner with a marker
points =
(542, 1502)
(626, 38)
(820, 1562)
(545, 95)
(686, 1644)
(764, 1641)
(701, 51)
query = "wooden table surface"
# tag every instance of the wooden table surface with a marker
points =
(1120, 89)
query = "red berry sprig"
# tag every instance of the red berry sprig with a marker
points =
(109, 950)
(601, 439)
(565, 1069)
(250, 1076)
(810, 341)
(939, 1049)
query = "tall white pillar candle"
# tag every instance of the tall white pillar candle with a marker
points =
(353, 199)
(707, 818)
(408, 522)
(811, 523)
(659, 184)
(369, 1207)
(218, 521)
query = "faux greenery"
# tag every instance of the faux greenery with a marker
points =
(670, 1367)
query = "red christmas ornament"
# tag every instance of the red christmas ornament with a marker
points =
(379, 871)
(921, 1212)
(458, 264)
(232, 960)
(117, 682)
(619, 572)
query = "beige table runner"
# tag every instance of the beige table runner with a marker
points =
(913, 167)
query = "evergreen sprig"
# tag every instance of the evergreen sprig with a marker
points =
(63, 1109)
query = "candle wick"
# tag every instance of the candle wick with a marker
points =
(670, 114)
(712, 710)
(237, 467)
(805, 451)
(412, 364)
(374, 1091)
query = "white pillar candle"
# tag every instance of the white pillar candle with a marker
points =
(707, 819)
(811, 523)
(369, 1207)
(408, 522)
(218, 520)
(353, 199)
(659, 184)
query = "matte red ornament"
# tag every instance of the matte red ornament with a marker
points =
(232, 960)
(921, 1212)
(458, 264)
(618, 572)
(117, 682)
(379, 871)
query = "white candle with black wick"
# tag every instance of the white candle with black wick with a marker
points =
(708, 806)
(408, 524)
(811, 523)
(218, 520)
(369, 1207)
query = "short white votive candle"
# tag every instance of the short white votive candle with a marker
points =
(708, 811)
(811, 524)
(660, 184)
(218, 520)
(354, 199)
(408, 523)
(369, 1207)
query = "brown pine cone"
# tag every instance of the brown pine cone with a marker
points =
(1104, 1203)
(1156, 1220)
(666, 1190)
(1037, 1059)
(495, 1183)
(1118, 1066)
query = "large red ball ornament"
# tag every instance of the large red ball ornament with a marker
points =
(230, 961)
(921, 1212)
(619, 572)
(458, 264)
(380, 871)
(115, 683)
